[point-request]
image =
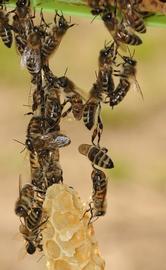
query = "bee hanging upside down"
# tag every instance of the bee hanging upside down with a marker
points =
(96, 155)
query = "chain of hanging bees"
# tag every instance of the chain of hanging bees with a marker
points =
(55, 97)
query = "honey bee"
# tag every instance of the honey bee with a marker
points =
(100, 182)
(119, 31)
(49, 77)
(54, 173)
(97, 6)
(34, 218)
(120, 92)
(5, 28)
(96, 155)
(32, 237)
(37, 176)
(22, 20)
(31, 57)
(107, 55)
(53, 39)
(26, 200)
(53, 110)
(74, 97)
(34, 130)
(132, 16)
(128, 76)
(91, 106)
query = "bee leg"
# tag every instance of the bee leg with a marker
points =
(67, 112)
(95, 132)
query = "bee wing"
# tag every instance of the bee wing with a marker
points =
(81, 92)
(25, 56)
(137, 87)
(33, 57)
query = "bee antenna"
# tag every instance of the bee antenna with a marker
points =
(66, 70)
(96, 74)
(94, 18)
(20, 185)
(18, 141)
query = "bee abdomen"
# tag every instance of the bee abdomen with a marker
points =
(120, 92)
(34, 218)
(89, 115)
(6, 36)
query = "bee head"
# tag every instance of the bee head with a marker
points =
(62, 24)
(129, 60)
(30, 248)
(20, 210)
(107, 16)
(29, 145)
(96, 11)
(62, 81)
(23, 3)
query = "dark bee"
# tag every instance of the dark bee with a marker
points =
(53, 110)
(34, 218)
(22, 20)
(5, 29)
(118, 30)
(34, 130)
(91, 106)
(120, 92)
(100, 182)
(128, 76)
(73, 95)
(32, 237)
(54, 173)
(97, 6)
(96, 155)
(31, 57)
(26, 200)
(107, 55)
(132, 16)
(53, 39)
(37, 176)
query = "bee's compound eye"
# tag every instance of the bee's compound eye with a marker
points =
(20, 211)
(30, 248)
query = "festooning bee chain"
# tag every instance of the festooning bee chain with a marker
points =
(55, 97)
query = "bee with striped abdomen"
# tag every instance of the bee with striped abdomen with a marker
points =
(100, 182)
(96, 155)
(53, 39)
(119, 30)
(74, 96)
(131, 15)
(5, 28)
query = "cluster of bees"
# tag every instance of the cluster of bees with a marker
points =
(55, 97)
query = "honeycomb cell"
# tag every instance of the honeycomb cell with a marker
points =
(64, 201)
(49, 230)
(62, 265)
(53, 250)
(83, 253)
(75, 241)
(64, 221)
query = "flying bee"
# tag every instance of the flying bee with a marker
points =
(96, 155)
(100, 182)
(119, 31)
(5, 28)
(53, 39)
(74, 96)
(132, 16)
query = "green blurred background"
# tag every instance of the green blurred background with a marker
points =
(132, 235)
